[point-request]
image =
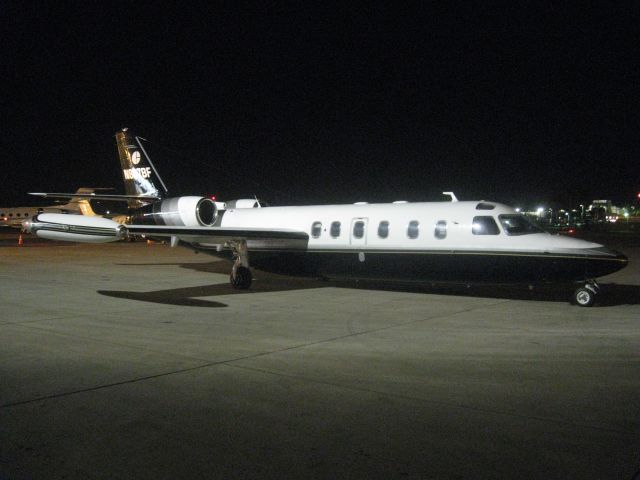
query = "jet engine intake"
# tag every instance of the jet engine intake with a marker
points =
(178, 212)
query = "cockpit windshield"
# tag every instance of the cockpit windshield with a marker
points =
(518, 225)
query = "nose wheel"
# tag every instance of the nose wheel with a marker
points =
(241, 276)
(585, 296)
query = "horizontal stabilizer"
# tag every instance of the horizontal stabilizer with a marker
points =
(94, 196)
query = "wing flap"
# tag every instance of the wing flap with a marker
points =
(220, 235)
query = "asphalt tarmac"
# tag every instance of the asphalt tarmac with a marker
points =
(140, 361)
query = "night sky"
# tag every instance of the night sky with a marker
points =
(515, 103)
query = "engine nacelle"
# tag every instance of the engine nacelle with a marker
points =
(74, 228)
(245, 203)
(177, 212)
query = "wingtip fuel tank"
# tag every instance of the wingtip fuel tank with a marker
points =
(74, 228)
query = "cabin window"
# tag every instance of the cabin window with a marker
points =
(485, 226)
(383, 229)
(316, 229)
(335, 229)
(358, 229)
(485, 206)
(413, 230)
(518, 225)
(441, 229)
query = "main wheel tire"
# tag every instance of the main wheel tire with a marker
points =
(584, 297)
(242, 278)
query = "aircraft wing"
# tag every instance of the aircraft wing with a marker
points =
(88, 229)
(99, 196)
(221, 235)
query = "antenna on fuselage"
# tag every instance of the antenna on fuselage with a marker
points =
(452, 195)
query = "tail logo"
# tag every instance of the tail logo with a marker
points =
(135, 157)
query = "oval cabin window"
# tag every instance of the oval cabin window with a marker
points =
(358, 229)
(413, 230)
(335, 229)
(316, 229)
(383, 229)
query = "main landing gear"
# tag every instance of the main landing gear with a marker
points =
(240, 273)
(585, 296)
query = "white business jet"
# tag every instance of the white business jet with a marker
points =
(455, 241)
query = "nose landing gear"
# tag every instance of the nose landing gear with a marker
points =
(585, 296)
(241, 276)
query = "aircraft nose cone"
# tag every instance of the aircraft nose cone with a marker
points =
(617, 260)
(621, 257)
(26, 226)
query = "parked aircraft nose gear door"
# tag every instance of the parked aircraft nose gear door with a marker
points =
(358, 232)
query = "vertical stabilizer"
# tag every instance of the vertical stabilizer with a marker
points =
(139, 174)
(82, 205)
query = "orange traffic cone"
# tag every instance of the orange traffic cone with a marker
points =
(20, 242)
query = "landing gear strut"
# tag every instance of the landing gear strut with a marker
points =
(240, 273)
(585, 296)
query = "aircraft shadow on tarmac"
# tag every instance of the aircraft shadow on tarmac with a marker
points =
(187, 296)
(612, 294)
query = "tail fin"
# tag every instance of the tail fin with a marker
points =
(82, 204)
(140, 176)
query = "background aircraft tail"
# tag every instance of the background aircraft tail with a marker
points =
(81, 205)
(140, 176)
